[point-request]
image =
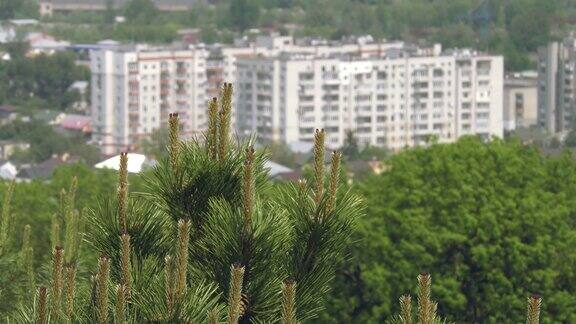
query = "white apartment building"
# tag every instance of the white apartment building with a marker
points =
(557, 85)
(520, 100)
(396, 100)
(134, 89)
(389, 94)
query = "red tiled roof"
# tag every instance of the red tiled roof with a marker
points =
(76, 122)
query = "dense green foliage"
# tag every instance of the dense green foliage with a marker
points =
(34, 203)
(493, 223)
(45, 142)
(11, 9)
(41, 81)
(514, 30)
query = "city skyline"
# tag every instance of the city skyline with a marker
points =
(430, 92)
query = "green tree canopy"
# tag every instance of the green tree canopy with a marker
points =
(493, 223)
(45, 141)
(141, 11)
(243, 14)
(43, 80)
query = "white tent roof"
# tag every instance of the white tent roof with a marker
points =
(276, 169)
(8, 171)
(136, 163)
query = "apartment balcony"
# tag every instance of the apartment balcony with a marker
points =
(331, 80)
(483, 72)
(214, 65)
(133, 121)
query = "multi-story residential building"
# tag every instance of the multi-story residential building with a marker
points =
(389, 94)
(557, 85)
(135, 88)
(397, 99)
(222, 63)
(520, 100)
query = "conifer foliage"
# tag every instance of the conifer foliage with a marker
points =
(209, 241)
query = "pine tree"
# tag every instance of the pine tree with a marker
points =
(201, 244)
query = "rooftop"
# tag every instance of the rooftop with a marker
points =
(76, 122)
(136, 163)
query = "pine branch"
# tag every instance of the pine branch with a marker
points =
(235, 294)
(182, 257)
(71, 218)
(212, 135)
(169, 284)
(120, 316)
(6, 217)
(71, 197)
(122, 191)
(533, 309)
(63, 202)
(55, 231)
(42, 301)
(70, 287)
(319, 152)
(57, 282)
(27, 255)
(406, 309)
(334, 178)
(125, 266)
(248, 190)
(213, 316)
(174, 144)
(225, 114)
(102, 279)
(288, 302)
(426, 308)
(71, 236)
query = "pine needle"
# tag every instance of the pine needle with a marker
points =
(122, 191)
(102, 289)
(55, 231)
(6, 217)
(319, 152)
(125, 252)
(533, 309)
(57, 282)
(120, 305)
(426, 308)
(169, 283)
(212, 135)
(248, 190)
(334, 178)
(174, 138)
(182, 257)
(27, 255)
(42, 300)
(235, 293)
(406, 309)
(213, 316)
(288, 302)
(70, 287)
(225, 114)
